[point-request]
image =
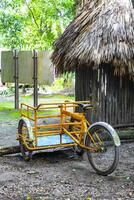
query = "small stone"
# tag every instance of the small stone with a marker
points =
(130, 194)
(73, 170)
(57, 193)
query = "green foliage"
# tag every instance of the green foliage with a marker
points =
(63, 82)
(58, 84)
(68, 79)
(7, 91)
(88, 198)
(28, 197)
(48, 19)
(11, 23)
(33, 23)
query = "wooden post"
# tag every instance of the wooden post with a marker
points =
(16, 77)
(35, 77)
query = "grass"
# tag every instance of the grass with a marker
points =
(8, 113)
(8, 104)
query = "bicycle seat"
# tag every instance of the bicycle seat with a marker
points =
(85, 107)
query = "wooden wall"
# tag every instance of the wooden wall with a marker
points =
(113, 96)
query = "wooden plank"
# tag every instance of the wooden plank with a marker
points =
(131, 101)
(116, 100)
(132, 107)
(110, 94)
(125, 100)
(107, 86)
(103, 95)
(113, 97)
(9, 150)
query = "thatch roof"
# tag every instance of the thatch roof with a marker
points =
(103, 32)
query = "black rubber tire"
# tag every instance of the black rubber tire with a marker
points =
(26, 154)
(106, 141)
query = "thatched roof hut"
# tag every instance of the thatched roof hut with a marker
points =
(103, 32)
(98, 44)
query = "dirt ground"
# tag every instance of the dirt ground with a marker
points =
(62, 175)
(8, 132)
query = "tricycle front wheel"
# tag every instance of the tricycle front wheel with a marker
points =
(104, 141)
(24, 133)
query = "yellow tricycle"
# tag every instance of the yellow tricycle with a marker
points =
(54, 125)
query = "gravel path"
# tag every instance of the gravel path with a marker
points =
(61, 175)
(65, 176)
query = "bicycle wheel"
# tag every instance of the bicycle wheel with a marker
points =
(23, 130)
(104, 141)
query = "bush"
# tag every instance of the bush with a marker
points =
(64, 82)
(6, 91)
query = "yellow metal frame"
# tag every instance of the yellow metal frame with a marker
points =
(66, 110)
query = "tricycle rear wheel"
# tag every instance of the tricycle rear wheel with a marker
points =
(23, 131)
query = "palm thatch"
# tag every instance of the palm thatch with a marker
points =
(103, 32)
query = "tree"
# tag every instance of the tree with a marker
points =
(34, 23)
(47, 21)
(11, 23)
